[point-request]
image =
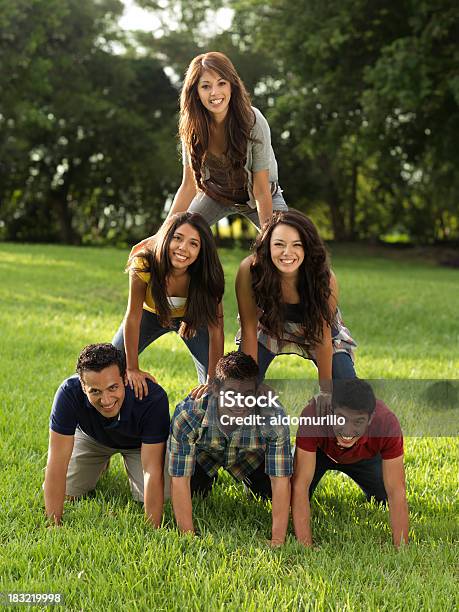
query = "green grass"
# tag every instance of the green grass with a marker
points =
(55, 300)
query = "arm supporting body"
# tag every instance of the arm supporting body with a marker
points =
(136, 378)
(152, 457)
(280, 487)
(59, 452)
(185, 192)
(262, 195)
(324, 350)
(303, 473)
(247, 309)
(181, 502)
(394, 483)
(216, 342)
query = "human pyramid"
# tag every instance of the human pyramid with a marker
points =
(288, 303)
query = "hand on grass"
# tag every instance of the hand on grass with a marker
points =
(137, 380)
(308, 544)
(52, 521)
(273, 543)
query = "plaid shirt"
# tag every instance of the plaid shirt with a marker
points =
(294, 342)
(196, 436)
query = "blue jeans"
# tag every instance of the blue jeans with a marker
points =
(151, 329)
(257, 481)
(342, 366)
(367, 473)
(213, 211)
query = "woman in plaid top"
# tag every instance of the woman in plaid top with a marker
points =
(287, 297)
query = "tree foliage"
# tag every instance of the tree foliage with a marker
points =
(367, 97)
(362, 99)
(88, 135)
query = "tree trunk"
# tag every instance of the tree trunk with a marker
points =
(338, 224)
(60, 206)
(64, 217)
(353, 202)
(334, 200)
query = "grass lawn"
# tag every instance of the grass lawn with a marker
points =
(55, 300)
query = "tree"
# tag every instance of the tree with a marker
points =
(412, 102)
(361, 90)
(90, 133)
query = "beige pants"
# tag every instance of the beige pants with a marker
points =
(89, 460)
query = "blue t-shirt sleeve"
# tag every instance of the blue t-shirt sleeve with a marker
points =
(63, 417)
(156, 420)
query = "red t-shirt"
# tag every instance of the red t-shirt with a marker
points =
(383, 436)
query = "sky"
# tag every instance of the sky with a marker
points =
(135, 18)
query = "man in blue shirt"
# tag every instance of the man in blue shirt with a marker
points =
(94, 416)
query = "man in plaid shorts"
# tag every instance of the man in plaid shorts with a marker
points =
(237, 426)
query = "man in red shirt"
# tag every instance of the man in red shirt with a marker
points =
(361, 438)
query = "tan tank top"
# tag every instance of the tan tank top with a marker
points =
(225, 184)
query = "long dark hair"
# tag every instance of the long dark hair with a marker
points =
(195, 119)
(313, 283)
(207, 282)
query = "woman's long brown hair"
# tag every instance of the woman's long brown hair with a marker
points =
(313, 283)
(207, 281)
(195, 119)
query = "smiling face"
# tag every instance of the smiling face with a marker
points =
(104, 390)
(215, 93)
(184, 247)
(354, 428)
(287, 251)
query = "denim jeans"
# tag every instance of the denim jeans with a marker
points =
(151, 329)
(342, 366)
(257, 481)
(367, 473)
(213, 211)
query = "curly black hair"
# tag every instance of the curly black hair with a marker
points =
(236, 365)
(355, 394)
(313, 282)
(97, 357)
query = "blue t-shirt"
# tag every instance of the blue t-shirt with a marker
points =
(139, 421)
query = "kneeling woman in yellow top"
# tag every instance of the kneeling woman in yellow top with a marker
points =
(175, 285)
